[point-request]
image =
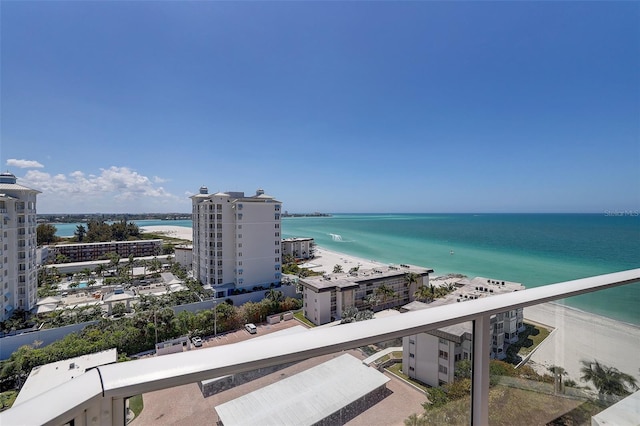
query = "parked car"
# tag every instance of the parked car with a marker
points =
(197, 341)
(251, 328)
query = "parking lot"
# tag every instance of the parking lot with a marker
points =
(242, 334)
(186, 404)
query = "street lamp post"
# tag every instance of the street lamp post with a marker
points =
(215, 318)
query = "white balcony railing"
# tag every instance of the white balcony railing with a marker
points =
(98, 396)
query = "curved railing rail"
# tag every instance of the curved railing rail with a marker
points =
(97, 397)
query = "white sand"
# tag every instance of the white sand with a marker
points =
(581, 335)
(180, 232)
(577, 335)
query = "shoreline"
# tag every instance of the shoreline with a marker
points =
(173, 231)
(577, 334)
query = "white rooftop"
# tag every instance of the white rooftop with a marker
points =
(48, 376)
(307, 397)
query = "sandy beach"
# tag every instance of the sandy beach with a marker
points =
(181, 232)
(577, 335)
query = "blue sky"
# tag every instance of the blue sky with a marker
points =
(328, 106)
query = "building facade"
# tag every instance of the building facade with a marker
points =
(299, 248)
(18, 243)
(431, 357)
(236, 240)
(327, 297)
(85, 252)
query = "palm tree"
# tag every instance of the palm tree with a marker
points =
(424, 294)
(557, 372)
(337, 269)
(411, 278)
(385, 293)
(607, 380)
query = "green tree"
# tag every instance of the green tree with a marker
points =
(80, 233)
(337, 269)
(411, 278)
(46, 233)
(424, 294)
(607, 380)
(385, 293)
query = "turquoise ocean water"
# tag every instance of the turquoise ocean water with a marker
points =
(533, 249)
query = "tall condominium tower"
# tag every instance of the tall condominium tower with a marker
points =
(18, 242)
(236, 240)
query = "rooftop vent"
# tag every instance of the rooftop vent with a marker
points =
(260, 191)
(204, 190)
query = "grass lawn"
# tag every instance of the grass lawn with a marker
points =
(136, 405)
(527, 342)
(396, 369)
(300, 317)
(510, 406)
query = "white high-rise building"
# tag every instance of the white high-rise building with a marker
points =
(236, 240)
(18, 243)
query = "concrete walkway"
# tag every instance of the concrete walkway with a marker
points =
(380, 354)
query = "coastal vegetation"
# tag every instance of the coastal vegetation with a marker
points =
(109, 217)
(138, 332)
(522, 393)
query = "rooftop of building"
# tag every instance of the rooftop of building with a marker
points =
(287, 401)
(48, 376)
(235, 195)
(346, 280)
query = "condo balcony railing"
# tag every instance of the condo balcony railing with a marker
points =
(98, 397)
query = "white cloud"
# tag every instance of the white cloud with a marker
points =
(113, 189)
(24, 164)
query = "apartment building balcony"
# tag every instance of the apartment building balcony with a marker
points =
(100, 395)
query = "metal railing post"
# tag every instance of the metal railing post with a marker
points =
(480, 380)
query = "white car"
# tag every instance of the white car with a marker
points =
(251, 328)
(197, 341)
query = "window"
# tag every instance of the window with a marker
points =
(277, 242)
(277, 251)
(239, 245)
(443, 341)
(443, 354)
(239, 254)
(239, 235)
(442, 369)
(276, 216)
(412, 369)
(239, 216)
(412, 355)
(277, 234)
(412, 342)
(239, 262)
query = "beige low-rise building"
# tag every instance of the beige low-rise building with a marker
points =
(327, 297)
(431, 357)
(299, 248)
